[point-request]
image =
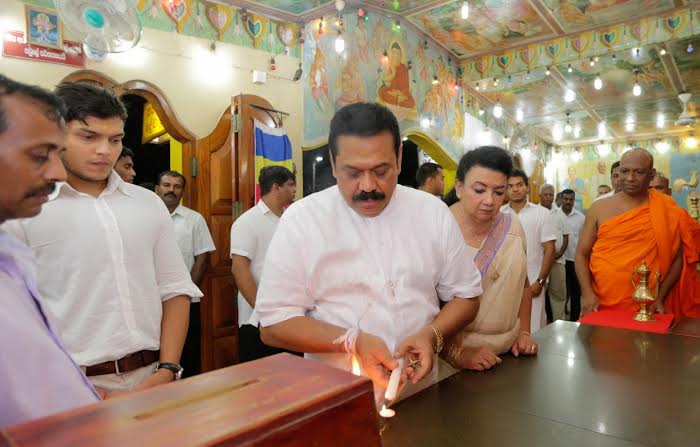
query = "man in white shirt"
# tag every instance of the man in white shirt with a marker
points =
(251, 234)
(357, 271)
(555, 296)
(37, 376)
(575, 219)
(107, 260)
(540, 233)
(125, 165)
(195, 243)
(430, 178)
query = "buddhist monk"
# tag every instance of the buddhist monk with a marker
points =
(635, 225)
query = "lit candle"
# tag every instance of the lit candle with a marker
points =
(392, 390)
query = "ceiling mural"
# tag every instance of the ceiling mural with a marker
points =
(295, 7)
(575, 15)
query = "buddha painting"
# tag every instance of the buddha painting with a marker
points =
(395, 89)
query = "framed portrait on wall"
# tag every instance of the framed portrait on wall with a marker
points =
(44, 27)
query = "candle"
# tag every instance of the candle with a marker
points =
(394, 380)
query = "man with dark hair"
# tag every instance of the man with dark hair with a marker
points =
(250, 237)
(540, 232)
(357, 292)
(614, 181)
(603, 189)
(557, 200)
(661, 183)
(195, 244)
(431, 178)
(37, 376)
(125, 165)
(638, 225)
(108, 264)
(574, 219)
(555, 296)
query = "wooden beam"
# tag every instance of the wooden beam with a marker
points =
(548, 16)
(671, 69)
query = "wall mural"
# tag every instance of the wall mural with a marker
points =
(387, 64)
(198, 18)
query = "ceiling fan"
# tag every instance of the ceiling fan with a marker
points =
(104, 26)
(685, 119)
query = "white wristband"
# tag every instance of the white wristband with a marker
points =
(348, 340)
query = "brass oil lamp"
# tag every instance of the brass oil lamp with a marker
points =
(643, 294)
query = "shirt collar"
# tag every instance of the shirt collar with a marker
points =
(573, 211)
(527, 205)
(263, 207)
(179, 210)
(114, 182)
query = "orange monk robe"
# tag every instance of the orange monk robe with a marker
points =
(398, 93)
(649, 233)
(684, 299)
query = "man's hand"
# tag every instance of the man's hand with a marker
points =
(535, 289)
(374, 358)
(160, 377)
(418, 347)
(589, 303)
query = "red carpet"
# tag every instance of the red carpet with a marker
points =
(622, 319)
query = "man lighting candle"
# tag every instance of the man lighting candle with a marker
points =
(359, 270)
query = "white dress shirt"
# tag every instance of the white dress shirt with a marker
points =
(384, 274)
(563, 229)
(605, 196)
(575, 220)
(193, 237)
(539, 227)
(251, 234)
(104, 266)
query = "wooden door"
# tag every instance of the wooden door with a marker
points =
(225, 189)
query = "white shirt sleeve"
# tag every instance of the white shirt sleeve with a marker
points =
(549, 229)
(243, 238)
(459, 276)
(282, 290)
(202, 241)
(172, 276)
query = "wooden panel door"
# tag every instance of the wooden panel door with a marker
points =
(225, 189)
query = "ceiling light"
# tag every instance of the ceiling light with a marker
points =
(495, 82)
(598, 83)
(570, 70)
(690, 48)
(568, 128)
(662, 52)
(497, 110)
(662, 147)
(557, 133)
(576, 156)
(385, 56)
(519, 115)
(577, 131)
(398, 24)
(465, 10)
(425, 123)
(339, 43)
(435, 80)
(547, 72)
(691, 142)
(569, 95)
(629, 124)
(660, 120)
(481, 112)
(602, 130)
(603, 149)
(592, 63)
(527, 76)
(477, 87)
(319, 159)
(636, 52)
(637, 89)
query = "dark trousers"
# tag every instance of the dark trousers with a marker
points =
(573, 290)
(548, 307)
(191, 352)
(251, 346)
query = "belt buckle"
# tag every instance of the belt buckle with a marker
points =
(116, 368)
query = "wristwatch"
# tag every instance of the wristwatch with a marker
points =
(176, 369)
(541, 281)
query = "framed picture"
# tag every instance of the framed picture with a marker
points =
(44, 27)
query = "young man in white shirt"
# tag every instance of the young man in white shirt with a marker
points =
(430, 178)
(575, 219)
(251, 234)
(357, 271)
(37, 376)
(195, 243)
(540, 233)
(125, 165)
(555, 296)
(108, 265)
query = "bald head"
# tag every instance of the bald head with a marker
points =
(660, 183)
(636, 171)
(546, 195)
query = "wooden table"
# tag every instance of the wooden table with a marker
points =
(589, 386)
(688, 327)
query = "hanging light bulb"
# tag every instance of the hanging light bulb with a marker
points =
(568, 128)
(569, 95)
(629, 124)
(465, 10)
(598, 83)
(425, 123)
(690, 48)
(385, 57)
(592, 63)
(603, 149)
(570, 70)
(481, 111)
(662, 147)
(662, 52)
(546, 71)
(519, 115)
(691, 142)
(320, 26)
(339, 43)
(637, 89)
(497, 110)
(576, 156)
(636, 52)
(435, 80)
(527, 76)
(478, 87)
(602, 130)
(577, 131)
(557, 133)
(660, 120)
(495, 82)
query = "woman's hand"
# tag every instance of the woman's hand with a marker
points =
(478, 359)
(524, 345)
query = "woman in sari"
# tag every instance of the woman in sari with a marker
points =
(498, 244)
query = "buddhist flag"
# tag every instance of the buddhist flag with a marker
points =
(272, 147)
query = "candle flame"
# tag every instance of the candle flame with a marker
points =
(355, 366)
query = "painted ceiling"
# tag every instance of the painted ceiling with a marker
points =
(515, 42)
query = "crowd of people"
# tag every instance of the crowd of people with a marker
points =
(100, 277)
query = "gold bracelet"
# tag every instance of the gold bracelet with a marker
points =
(454, 354)
(526, 333)
(439, 341)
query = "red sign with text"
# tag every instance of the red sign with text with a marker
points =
(14, 45)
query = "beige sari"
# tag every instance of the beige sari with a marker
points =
(503, 265)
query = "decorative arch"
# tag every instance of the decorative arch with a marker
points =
(155, 96)
(437, 153)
